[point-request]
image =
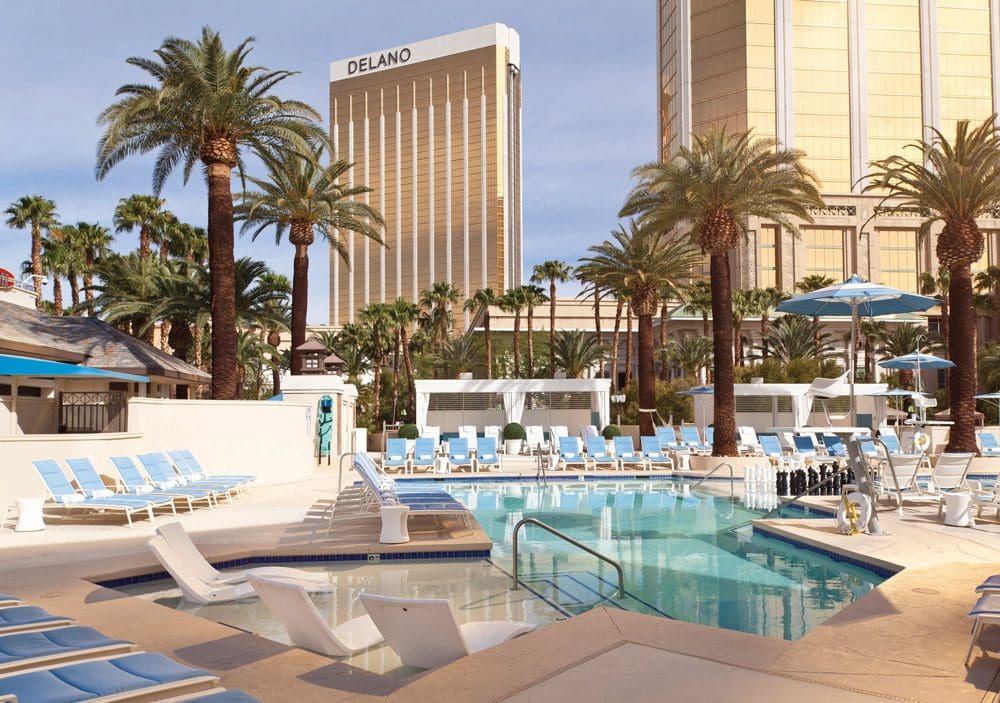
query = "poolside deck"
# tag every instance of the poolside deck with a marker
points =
(903, 641)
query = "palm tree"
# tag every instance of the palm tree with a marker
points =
(483, 299)
(808, 284)
(460, 355)
(131, 291)
(575, 352)
(553, 271)
(206, 105)
(988, 281)
(954, 182)
(73, 265)
(93, 242)
(764, 301)
(514, 301)
(716, 185)
(592, 287)
(304, 198)
(35, 213)
(56, 262)
(937, 286)
(376, 316)
(276, 317)
(792, 337)
(145, 212)
(692, 353)
(403, 314)
(533, 295)
(437, 302)
(906, 339)
(698, 297)
(870, 331)
(615, 336)
(640, 262)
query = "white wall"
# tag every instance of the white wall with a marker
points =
(271, 440)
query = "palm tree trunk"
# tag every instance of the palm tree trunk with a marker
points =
(74, 292)
(996, 314)
(57, 294)
(300, 302)
(88, 281)
(530, 371)
(222, 279)
(664, 310)
(144, 248)
(738, 342)
(722, 328)
(517, 344)
(614, 344)
(628, 344)
(489, 343)
(410, 382)
(164, 334)
(198, 341)
(597, 326)
(552, 327)
(763, 335)
(36, 263)
(647, 376)
(962, 437)
(164, 253)
(704, 324)
(395, 371)
(377, 387)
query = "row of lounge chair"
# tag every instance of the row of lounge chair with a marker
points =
(425, 455)
(423, 632)
(171, 480)
(51, 658)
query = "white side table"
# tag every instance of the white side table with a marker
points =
(958, 509)
(394, 524)
(29, 514)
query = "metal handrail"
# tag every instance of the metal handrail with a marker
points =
(564, 536)
(732, 489)
(340, 474)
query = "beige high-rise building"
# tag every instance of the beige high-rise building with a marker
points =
(848, 82)
(434, 128)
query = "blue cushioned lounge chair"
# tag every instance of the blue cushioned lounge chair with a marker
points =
(19, 618)
(147, 674)
(395, 455)
(229, 485)
(164, 475)
(654, 453)
(67, 498)
(486, 454)
(458, 454)
(668, 439)
(692, 438)
(193, 473)
(197, 468)
(134, 482)
(231, 695)
(570, 454)
(383, 490)
(92, 485)
(989, 444)
(7, 600)
(59, 645)
(597, 451)
(626, 454)
(424, 454)
(834, 445)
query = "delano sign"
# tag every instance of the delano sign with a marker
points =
(384, 60)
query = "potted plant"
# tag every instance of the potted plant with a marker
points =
(513, 438)
(410, 434)
(609, 434)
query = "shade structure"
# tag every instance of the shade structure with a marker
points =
(917, 361)
(853, 298)
(28, 367)
(698, 390)
(700, 407)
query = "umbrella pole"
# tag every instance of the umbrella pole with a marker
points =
(850, 359)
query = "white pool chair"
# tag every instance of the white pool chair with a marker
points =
(306, 626)
(900, 475)
(589, 431)
(424, 632)
(468, 433)
(192, 586)
(432, 432)
(984, 613)
(748, 442)
(949, 472)
(534, 439)
(555, 432)
(180, 542)
(496, 432)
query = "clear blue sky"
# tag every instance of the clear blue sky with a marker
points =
(589, 94)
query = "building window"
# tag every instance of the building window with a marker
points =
(825, 252)
(310, 363)
(898, 248)
(768, 257)
(984, 260)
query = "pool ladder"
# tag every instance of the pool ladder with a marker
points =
(726, 464)
(574, 542)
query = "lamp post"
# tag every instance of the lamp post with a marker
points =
(619, 398)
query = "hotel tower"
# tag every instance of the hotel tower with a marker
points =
(848, 82)
(434, 129)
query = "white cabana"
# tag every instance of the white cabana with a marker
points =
(450, 403)
(768, 411)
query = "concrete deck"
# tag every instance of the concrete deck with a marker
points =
(903, 641)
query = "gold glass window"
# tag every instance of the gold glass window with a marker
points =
(898, 253)
(768, 257)
(825, 252)
(964, 62)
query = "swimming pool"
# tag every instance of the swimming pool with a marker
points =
(681, 556)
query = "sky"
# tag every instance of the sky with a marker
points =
(588, 71)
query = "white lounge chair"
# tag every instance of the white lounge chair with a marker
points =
(984, 613)
(180, 542)
(901, 475)
(305, 625)
(192, 586)
(534, 439)
(468, 432)
(424, 632)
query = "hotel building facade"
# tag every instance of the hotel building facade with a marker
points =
(848, 82)
(434, 129)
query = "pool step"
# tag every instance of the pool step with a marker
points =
(576, 592)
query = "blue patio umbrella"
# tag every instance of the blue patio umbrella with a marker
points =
(915, 362)
(853, 298)
(699, 390)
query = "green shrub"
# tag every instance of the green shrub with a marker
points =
(409, 432)
(612, 431)
(513, 430)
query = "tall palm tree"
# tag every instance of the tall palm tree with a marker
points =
(955, 182)
(302, 197)
(73, 265)
(698, 297)
(57, 262)
(376, 316)
(554, 272)
(640, 262)
(514, 301)
(403, 314)
(792, 337)
(576, 351)
(592, 287)
(937, 286)
(483, 299)
(692, 353)
(93, 242)
(145, 212)
(131, 291)
(35, 213)
(764, 301)
(463, 354)
(870, 330)
(206, 104)
(533, 296)
(615, 338)
(716, 185)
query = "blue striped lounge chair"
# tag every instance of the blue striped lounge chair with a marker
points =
(189, 477)
(58, 645)
(771, 446)
(988, 443)
(135, 482)
(424, 454)
(834, 446)
(486, 454)
(163, 474)
(570, 453)
(192, 470)
(68, 499)
(23, 618)
(395, 455)
(92, 485)
(597, 452)
(692, 438)
(654, 453)
(458, 454)
(626, 454)
(668, 439)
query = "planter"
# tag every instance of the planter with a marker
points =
(513, 446)
(375, 442)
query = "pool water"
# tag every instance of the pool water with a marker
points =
(681, 555)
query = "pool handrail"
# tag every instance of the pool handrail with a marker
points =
(567, 538)
(732, 488)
